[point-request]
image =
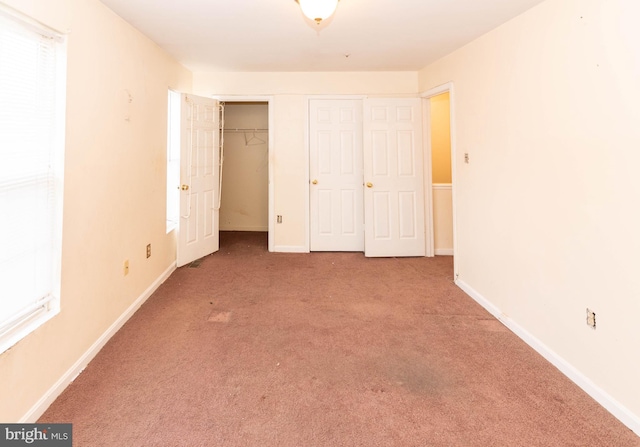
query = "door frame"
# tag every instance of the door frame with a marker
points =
(426, 106)
(269, 101)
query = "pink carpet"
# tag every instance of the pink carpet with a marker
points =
(325, 349)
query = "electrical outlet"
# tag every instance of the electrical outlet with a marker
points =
(279, 218)
(148, 251)
(591, 318)
(126, 267)
(466, 157)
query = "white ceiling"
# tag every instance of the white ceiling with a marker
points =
(273, 35)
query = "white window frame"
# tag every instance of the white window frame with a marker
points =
(33, 314)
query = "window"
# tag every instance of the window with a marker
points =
(32, 94)
(173, 160)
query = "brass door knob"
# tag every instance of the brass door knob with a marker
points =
(369, 185)
(315, 182)
(184, 187)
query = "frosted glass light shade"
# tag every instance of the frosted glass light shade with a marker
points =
(318, 10)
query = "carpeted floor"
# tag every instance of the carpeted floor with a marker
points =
(251, 348)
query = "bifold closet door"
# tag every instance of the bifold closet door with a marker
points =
(393, 175)
(335, 174)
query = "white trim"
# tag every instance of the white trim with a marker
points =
(428, 178)
(291, 249)
(435, 91)
(307, 173)
(622, 413)
(52, 394)
(272, 193)
(24, 315)
(443, 251)
(442, 186)
(454, 173)
(22, 328)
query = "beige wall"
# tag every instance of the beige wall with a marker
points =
(306, 83)
(440, 139)
(245, 177)
(289, 93)
(547, 209)
(114, 201)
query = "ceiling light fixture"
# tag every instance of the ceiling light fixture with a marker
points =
(318, 10)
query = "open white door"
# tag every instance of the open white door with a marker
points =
(198, 232)
(335, 170)
(393, 175)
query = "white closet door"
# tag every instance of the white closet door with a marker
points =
(336, 189)
(393, 175)
(198, 233)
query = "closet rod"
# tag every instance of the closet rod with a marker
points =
(245, 130)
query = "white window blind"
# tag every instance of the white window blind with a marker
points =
(32, 64)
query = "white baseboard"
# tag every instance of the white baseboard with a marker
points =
(290, 249)
(52, 394)
(443, 251)
(618, 410)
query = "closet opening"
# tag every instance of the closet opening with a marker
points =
(244, 206)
